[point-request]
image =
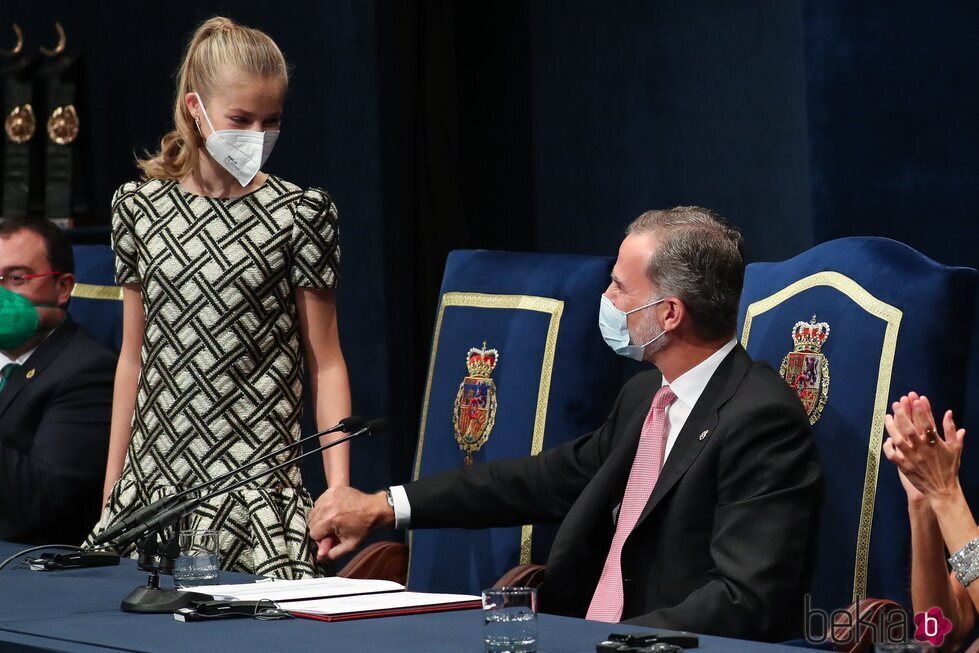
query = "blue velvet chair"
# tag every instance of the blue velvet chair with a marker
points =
(549, 379)
(96, 301)
(852, 324)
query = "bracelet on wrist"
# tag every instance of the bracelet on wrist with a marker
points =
(965, 563)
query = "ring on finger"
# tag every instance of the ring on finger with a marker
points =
(931, 434)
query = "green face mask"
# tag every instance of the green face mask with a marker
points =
(18, 319)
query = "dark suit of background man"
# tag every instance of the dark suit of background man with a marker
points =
(55, 400)
(715, 540)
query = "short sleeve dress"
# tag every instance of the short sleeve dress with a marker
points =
(220, 382)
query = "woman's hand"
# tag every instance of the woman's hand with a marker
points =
(915, 497)
(927, 462)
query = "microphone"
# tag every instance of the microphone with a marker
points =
(171, 514)
(347, 425)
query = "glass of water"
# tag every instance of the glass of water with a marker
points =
(199, 561)
(510, 618)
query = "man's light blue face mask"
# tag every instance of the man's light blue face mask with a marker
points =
(614, 324)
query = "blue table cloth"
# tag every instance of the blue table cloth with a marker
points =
(78, 611)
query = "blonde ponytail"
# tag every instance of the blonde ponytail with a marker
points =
(219, 47)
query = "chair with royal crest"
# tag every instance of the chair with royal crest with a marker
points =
(96, 301)
(517, 365)
(851, 325)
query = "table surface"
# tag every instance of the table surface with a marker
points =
(78, 611)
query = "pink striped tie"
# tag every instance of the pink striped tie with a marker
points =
(606, 603)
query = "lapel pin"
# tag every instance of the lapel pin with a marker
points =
(30, 374)
(704, 434)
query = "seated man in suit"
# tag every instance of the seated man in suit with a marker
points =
(714, 539)
(55, 393)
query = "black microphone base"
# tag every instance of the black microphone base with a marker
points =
(149, 600)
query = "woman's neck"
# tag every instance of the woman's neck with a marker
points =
(211, 180)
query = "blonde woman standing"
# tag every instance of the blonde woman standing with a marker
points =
(229, 276)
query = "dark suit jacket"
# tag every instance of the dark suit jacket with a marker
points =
(54, 437)
(721, 545)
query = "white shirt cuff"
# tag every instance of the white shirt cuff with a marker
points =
(402, 509)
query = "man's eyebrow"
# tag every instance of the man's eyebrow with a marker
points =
(615, 279)
(15, 268)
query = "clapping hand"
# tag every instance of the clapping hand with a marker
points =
(927, 462)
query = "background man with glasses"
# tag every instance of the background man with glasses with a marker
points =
(55, 394)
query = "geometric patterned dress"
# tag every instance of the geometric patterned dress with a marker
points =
(220, 381)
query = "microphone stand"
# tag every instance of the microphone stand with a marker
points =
(156, 559)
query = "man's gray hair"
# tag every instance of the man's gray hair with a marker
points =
(698, 258)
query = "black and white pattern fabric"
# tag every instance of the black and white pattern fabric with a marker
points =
(220, 382)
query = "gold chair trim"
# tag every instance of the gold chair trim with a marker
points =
(892, 317)
(93, 291)
(553, 307)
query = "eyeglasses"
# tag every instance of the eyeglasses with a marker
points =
(18, 280)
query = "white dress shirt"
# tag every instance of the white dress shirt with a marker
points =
(20, 360)
(687, 387)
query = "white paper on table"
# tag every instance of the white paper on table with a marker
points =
(377, 603)
(291, 590)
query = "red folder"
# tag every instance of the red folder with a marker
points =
(392, 612)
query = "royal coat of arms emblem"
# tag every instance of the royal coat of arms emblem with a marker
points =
(806, 368)
(475, 406)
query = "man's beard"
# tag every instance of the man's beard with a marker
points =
(647, 330)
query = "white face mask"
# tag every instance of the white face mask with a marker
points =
(614, 324)
(242, 152)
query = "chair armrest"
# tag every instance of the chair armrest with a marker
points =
(389, 561)
(380, 560)
(853, 633)
(522, 576)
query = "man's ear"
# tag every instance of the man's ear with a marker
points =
(675, 314)
(66, 283)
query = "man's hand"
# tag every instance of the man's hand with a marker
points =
(343, 517)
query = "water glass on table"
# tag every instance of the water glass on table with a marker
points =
(199, 561)
(510, 618)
